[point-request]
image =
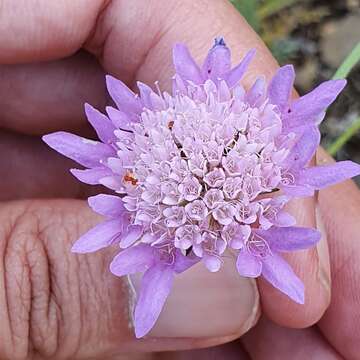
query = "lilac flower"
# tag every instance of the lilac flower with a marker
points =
(272, 213)
(213, 197)
(187, 236)
(224, 213)
(196, 210)
(207, 168)
(260, 256)
(190, 188)
(215, 178)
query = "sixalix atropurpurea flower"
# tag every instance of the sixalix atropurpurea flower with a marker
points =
(202, 171)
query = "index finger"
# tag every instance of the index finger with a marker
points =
(132, 40)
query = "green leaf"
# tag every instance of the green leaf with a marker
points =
(344, 137)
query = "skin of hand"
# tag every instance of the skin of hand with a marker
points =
(55, 304)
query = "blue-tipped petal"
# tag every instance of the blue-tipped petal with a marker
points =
(217, 63)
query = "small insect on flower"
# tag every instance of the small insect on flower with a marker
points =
(201, 171)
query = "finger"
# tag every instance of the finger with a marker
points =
(230, 351)
(51, 94)
(270, 341)
(71, 306)
(313, 269)
(29, 169)
(150, 58)
(40, 30)
(340, 208)
(41, 97)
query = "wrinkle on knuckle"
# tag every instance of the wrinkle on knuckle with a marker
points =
(26, 281)
(34, 312)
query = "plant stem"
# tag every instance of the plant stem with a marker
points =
(344, 138)
(351, 60)
(342, 72)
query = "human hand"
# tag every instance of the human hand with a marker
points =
(73, 306)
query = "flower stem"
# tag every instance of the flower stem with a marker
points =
(344, 138)
(351, 60)
(342, 72)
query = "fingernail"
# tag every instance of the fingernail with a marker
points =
(204, 304)
(323, 253)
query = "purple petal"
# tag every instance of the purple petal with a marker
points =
(100, 236)
(212, 263)
(133, 233)
(281, 85)
(297, 190)
(132, 260)
(304, 149)
(155, 288)
(117, 167)
(310, 106)
(91, 176)
(86, 152)
(145, 92)
(183, 263)
(248, 265)
(320, 177)
(124, 98)
(112, 182)
(120, 119)
(284, 219)
(235, 75)
(157, 102)
(217, 62)
(178, 86)
(107, 205)
(185, 65)
(289, 238)
(102, 125)
(256, 92)
(279, 273)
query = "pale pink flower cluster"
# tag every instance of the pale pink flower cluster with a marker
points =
(199, 169)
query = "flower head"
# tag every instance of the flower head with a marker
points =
(207, 168)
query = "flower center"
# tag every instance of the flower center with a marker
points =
(202, 171)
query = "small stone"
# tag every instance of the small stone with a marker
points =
(339, 38)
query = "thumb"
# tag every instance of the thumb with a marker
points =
(201, 305)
